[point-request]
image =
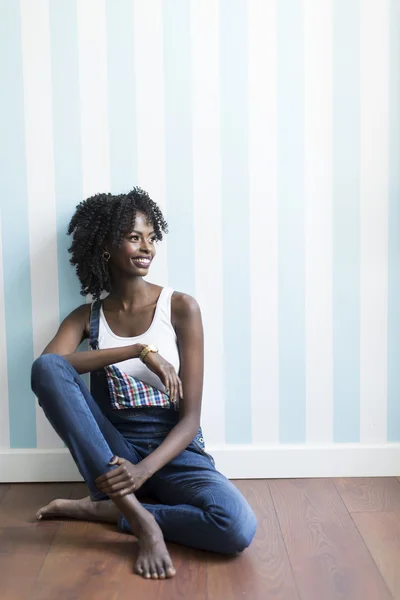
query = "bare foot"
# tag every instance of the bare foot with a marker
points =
(153, 561)
(84, 509)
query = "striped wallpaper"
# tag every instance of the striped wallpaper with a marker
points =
(269, 132)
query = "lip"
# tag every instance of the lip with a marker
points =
(142, 265)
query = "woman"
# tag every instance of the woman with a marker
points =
(137, 434)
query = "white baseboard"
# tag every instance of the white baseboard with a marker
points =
(235, 461)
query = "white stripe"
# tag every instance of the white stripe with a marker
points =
(93, 96)
(318, 219)
(262, 19)
(374, 93)
(40, 183)
(150, 128)
(4, 408)
(207, 180)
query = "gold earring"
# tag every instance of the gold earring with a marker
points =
(106, 256)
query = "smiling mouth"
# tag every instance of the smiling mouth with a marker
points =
(142, 262)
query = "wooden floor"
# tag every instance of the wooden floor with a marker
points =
(318, 539)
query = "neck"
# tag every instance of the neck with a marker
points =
(127, 292)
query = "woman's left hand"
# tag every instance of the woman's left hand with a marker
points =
(125, 479)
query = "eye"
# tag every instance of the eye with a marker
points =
(153, 240)
(134, 238)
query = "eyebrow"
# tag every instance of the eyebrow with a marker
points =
(141, 233)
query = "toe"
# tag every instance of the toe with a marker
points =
(161, 572)
(146, 569)
(153, 569)
(139, 569)
(169, 569)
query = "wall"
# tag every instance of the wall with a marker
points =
(269, 132)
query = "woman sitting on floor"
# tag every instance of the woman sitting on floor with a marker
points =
(139, 434)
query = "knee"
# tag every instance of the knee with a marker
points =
(44, 368)
(240, 525)
(240, 536)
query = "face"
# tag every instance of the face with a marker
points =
(137, 250)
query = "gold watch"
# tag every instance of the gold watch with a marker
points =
(146, 350)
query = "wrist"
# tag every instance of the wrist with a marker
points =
(137, 349)
(145, 468)
(146, 351)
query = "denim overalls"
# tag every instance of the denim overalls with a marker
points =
(197, 505)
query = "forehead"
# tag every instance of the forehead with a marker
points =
(142, 223)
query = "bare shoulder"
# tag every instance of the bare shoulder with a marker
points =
(80, 316)
(81, 312)
(184, 307)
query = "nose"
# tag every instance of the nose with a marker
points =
(145, 247)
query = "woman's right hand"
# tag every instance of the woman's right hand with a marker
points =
(166, 372)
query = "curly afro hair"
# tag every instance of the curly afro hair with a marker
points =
(101, 219)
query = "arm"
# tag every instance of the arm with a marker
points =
(127, 478)
(72, 331)
(189, 329)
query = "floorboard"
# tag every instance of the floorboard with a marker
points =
(3, 489)
(263, 570)
(16, 581)
(381, 534)
(329, 558)
(308, 547)
(369, 494)
(22, 500)
(72, 577)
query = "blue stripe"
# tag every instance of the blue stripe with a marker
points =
(15, 231)
(393, 400)
(291, 308)
(235, 218)
(178, 132)
(67, 140)
(121, 95)
(346, 221)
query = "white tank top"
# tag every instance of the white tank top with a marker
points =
(160, 334)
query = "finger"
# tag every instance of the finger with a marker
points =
(124, 492)
(177, 389)
(170, 390)
(164, 378)
(117, 485)
(171, 384)
(117, 472)
(180, 389)
(121, 477)
(117, 460)
(167, 384)
(174, 387)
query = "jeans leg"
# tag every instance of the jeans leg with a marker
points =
(74, 414)
(200, 507)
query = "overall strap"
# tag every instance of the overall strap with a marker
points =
(94, 324)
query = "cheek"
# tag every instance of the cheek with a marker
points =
(129, 248)
(122, 255)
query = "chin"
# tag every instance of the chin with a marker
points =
(140, 272)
